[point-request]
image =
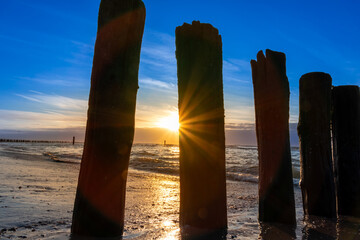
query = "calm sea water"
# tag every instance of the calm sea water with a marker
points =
(241, 161)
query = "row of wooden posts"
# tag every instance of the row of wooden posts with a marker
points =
(100, 196)
(326, 113)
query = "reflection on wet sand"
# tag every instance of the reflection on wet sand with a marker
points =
(197, 234)
(319, 228)
(166, 198)
(272, 231)
(348, 228)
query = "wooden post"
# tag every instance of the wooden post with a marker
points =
(315, 228)
(202, 137)
(316, 171)
(280, 231)
(346, 148)
(73, 140)
(100, 196)
(271, 92)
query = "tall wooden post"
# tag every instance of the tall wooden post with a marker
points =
(100, 196)
(271, 92)
(202, 138)
(316, 171)
(346, 148)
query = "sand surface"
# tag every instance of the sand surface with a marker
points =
(37, 196)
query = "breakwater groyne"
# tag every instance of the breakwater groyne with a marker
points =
(33, 141)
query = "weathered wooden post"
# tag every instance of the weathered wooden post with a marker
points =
(271, 92)
(202, 139)
(316, 171)
(346, 148)
(100, 196)
(315, 228)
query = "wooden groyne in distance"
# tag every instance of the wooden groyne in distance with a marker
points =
(316, 169)
(203, 207)
(100, 196)
(346, 148)
(271, 92)
(32, 141)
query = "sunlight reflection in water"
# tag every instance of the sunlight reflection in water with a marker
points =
(166, 196)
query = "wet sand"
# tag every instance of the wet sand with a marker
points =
(37, 197)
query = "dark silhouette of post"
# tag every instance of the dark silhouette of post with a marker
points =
(315, 228)
(347, 227)
(73, 142)
(100, 196)
(203, 208)
(316, 171)
(346, 148)
(271, 92)
(271, 231)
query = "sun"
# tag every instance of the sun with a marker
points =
(170, 122)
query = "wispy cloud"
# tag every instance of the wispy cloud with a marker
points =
(56, 80)
(240, 126)
(158, 84)
(236, 70)
(10, 119)
(158, 56)
(52, 111)
(56, 102)
(82, 55)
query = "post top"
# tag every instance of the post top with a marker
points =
(198, 29)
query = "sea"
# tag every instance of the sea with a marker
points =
(38, 183)
(241, 161)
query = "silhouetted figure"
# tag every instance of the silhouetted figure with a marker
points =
(73, 141)
(271, 92)
(100, 196)
(203, 208)
(316, 171)
(346, 148)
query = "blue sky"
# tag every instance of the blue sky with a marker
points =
(46, 50)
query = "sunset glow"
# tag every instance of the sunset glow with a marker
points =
(170, 122)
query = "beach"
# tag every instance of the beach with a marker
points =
(38, 186)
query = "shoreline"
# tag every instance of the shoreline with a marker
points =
(37, 198)
(151, 209)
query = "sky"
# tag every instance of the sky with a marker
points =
(46, 52)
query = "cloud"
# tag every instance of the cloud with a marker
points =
(158, 56)
(22, 120)
(237, 70)
(57, 102)
(82, 55)
(56, 80)
(240, 126)
(157, 84)
(52, 111)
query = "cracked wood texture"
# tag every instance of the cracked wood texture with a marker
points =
(271, 93)
(100, 196)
